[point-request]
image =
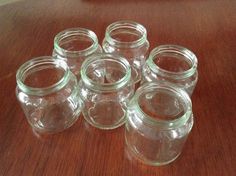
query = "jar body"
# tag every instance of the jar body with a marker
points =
(54, 108)
(157, 142)
(173, 64)
(106, 88)
(106, 110)
(74, 46)
(129, 40)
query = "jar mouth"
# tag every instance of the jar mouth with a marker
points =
(172, 61)
(163, 104)
(126, 34)
(105, 72)
(42, 75)
(76, 42)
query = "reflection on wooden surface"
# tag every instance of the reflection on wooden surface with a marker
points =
(5, 2)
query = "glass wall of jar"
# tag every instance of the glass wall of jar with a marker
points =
(74, 46)
(106, 88)
(174, 64)
(48, 94)
(159, 119)
(129, 39)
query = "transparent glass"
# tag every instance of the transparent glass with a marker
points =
(129, 39)
(48, 93)
(74, 46)
(174, 64)
(159, 119)
(106, 88)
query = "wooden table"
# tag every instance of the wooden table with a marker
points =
(207, 27)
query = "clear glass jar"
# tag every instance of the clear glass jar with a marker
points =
(48, 94)
(174, 64)
(106, 88)
(159, 119)
(74, 46)
(129, 39)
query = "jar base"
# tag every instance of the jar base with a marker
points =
(136, 155)
(106, 114)
(102, 127)
(41, 130)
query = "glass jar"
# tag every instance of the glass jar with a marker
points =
(106, 88)
(159, 119)
(48, 94)
(129, 39)
(74, 46)
(174, 64)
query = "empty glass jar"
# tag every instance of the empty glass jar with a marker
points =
(48, 93)
(174, 64)
(129, 39)
(159, 119)
(74, 46)
(106, 88)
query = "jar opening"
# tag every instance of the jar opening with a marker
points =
(42, 75)
(126, 34)
(163, 104)
(170, 63)
(172, 60)
(77, 41)
(35, 77)
(105, 72)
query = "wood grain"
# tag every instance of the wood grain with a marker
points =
(207, 27)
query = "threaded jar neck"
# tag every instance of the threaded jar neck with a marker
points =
(76, 42)
(126, 34)
(42, 76)
(105, 72)
(172, 61)
(162, 105)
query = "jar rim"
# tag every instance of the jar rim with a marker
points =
(128, 25)
(77, 32)
(159, 122)
(38, 61)
(107, 86)
(175, 49)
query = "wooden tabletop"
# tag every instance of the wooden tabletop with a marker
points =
(207, 27)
